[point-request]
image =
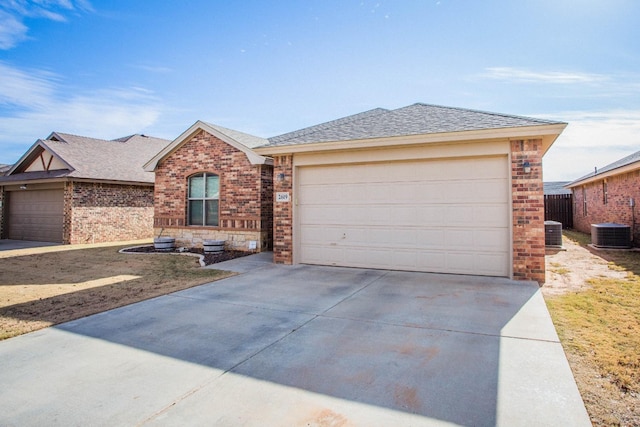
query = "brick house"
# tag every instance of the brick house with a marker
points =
(607, 195)
(75, 189)
(210, 184)
(420, 188)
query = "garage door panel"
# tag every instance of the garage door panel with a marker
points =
(442, 216)
(476, 216)
(36, 215)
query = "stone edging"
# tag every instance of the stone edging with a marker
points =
(201, 257)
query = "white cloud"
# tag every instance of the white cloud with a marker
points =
(555, 77)
(12, 13)
(592, 139)
(12, 31)
(39, 103)
(159, 69)
(25, 88)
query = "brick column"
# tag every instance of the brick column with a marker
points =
(3, 208)
(283, 211)
(67, 212)
(528, 211)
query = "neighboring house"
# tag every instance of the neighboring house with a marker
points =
(558, 203)
(422, 188)
(211, 185)
(609, 194)
(74, 189)
(4, 169)
(556, 188)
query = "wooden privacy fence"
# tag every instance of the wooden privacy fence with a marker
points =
(559, 207)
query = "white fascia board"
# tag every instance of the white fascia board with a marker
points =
(552, 131)
(252, 156)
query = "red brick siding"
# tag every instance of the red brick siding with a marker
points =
(242, 191)
(528, 211)
(266, 197)
(96, 213)
(283, 211)
(67, 209)
(617, 209)
(3, 208)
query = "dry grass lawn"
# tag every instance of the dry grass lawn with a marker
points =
(41, 290)
(599, 326)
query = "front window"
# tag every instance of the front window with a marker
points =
(204, 195)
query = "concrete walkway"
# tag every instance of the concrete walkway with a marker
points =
(301, 346)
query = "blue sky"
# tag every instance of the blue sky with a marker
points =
(106, 69)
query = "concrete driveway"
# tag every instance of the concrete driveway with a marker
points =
(301, 346)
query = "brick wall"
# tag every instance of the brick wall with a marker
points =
(617, 209)
(244, 194)
(266, 197)
(528, 211)
(283, 211)
(3, 208)
(96, 213)
(66, 211)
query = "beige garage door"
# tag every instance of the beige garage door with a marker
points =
(449, 216)
(36, 215)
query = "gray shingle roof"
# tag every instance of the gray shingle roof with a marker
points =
(416, 119)
(553, 188)
(97, 159)
(245, 139)
(631, 158)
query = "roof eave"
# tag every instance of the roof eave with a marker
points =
(549, 134)
(602, 175)
(252, 156)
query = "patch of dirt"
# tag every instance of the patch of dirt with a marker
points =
(210, 258)
(45, 289)
(568, 270)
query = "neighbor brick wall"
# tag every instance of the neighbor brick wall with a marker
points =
(619, 189)
(96, 212)
(243, 194)
(3, 208)
(528, 211)
(283, 211)
(66, 211)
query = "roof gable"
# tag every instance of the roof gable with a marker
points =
(46, 161)
(39, 158)
(241, 141)
(73, 156)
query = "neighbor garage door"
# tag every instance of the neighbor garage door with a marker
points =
(449, 216)
(36, 215)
